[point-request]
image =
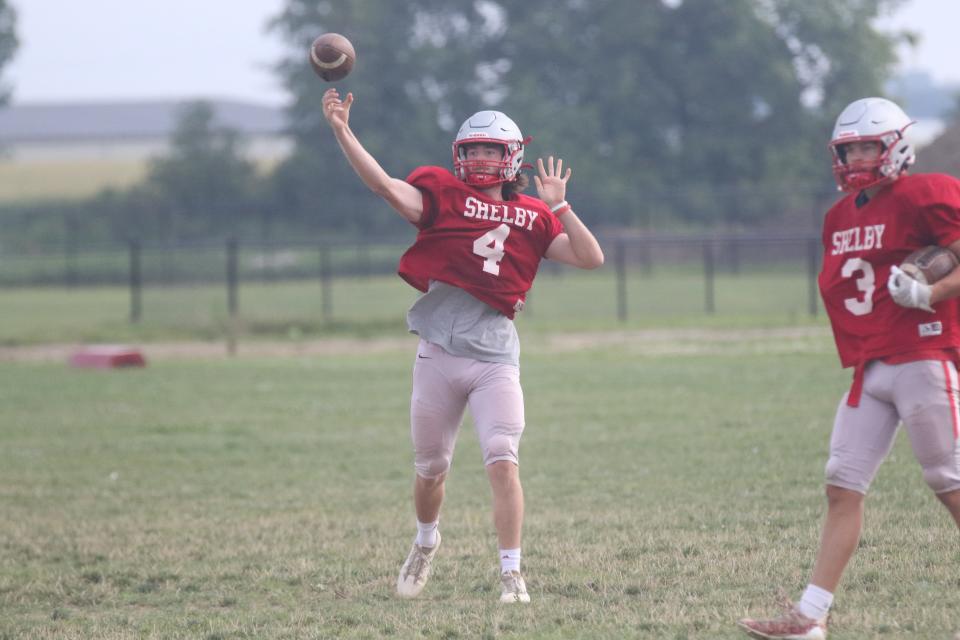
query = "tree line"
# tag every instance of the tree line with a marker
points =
(672, 113)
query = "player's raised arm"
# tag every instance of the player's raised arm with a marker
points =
(576, 246)
(402, 196)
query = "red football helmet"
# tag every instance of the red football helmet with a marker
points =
(871, 120)
(488, 127)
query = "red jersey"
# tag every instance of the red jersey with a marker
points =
(489, 248)
(862, 243)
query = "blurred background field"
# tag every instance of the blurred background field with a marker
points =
(375, 305)
(66, 179)
(72, 178)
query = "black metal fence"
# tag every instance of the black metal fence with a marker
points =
(729, 254)
(141, 266)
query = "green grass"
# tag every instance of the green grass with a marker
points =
(75, 178)
(64, 179)
(669, 491)
(294, 310)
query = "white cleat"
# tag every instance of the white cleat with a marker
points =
(416, 570)
(514, 588)
(791, 625)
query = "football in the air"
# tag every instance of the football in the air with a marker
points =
(929, 264)
(332, 56)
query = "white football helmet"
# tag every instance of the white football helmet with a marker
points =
(871, 119)
(488, 127)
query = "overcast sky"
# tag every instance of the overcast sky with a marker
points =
(120, 49)
(89, 50)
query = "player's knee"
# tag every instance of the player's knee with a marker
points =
(942, 477)
(833, 469)
(432, 467)
(500, 447)
(839, 474)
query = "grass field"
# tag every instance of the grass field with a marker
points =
(376, 305)
(75, 177)
(64, 179)
(669, 492)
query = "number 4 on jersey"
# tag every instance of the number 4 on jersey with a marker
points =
(490, 247)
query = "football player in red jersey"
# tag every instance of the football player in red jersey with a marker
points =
(479, 245)
(901, 337)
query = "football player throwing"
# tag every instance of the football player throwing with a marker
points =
(478, 247)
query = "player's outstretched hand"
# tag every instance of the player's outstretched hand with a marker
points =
(908, 292)
(335, 110)
(551, 181)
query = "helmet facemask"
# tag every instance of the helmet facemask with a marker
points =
(886, 167)
(480, 172)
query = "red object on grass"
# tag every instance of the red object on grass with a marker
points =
(107, 357)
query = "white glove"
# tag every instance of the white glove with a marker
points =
(908, 292)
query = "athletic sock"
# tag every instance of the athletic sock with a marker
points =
(815, 602)
(509, 560)
(427, 533)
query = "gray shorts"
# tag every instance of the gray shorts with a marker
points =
(923, 396)
(443, 386)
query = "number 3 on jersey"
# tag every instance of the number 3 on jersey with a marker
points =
(489, 246)
(866, 284)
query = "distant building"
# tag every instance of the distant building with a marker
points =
(127, 130)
